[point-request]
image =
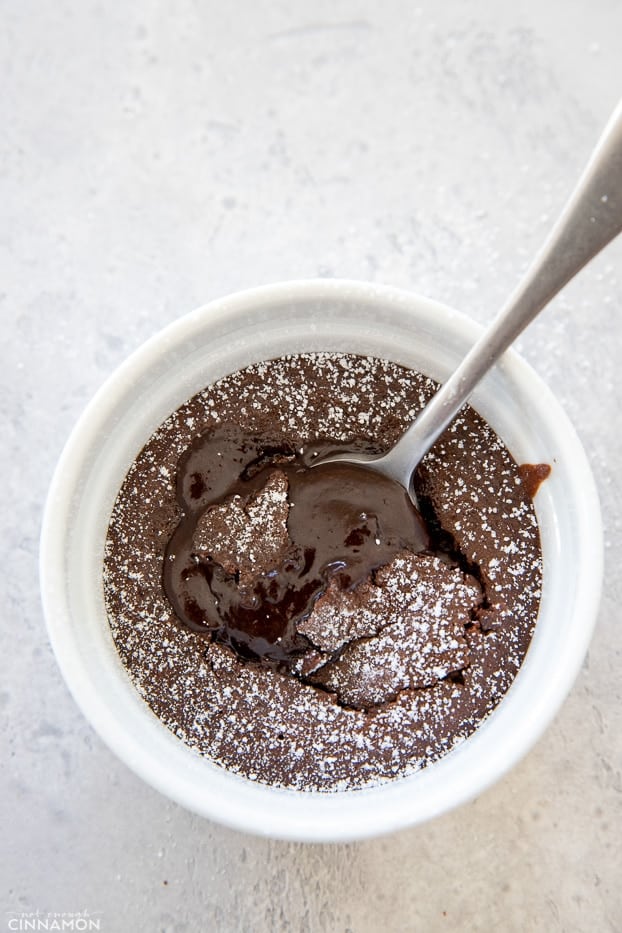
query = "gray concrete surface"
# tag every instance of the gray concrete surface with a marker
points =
(155, 155)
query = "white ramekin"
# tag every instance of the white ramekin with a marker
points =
(224, 336)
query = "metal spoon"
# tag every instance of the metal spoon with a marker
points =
(591, 219)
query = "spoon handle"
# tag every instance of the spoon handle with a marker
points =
(591, 219)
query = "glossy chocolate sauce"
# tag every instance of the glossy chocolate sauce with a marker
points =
(343, 523)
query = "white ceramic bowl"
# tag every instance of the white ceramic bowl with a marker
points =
(218, 339)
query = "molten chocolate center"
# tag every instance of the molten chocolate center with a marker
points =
(338, 521)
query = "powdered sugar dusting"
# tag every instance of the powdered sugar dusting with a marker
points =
(272, 727)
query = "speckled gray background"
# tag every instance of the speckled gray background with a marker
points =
(155, 155)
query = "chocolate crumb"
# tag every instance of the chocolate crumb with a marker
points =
(532, 475)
